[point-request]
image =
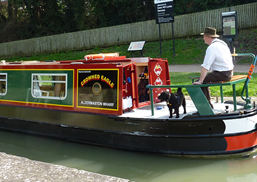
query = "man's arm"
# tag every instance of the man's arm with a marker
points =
(202, 77)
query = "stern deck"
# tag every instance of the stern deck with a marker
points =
(161, 111)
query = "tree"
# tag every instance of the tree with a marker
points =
(115, 12)
(12, 10)
(193, 6)
(3, 13)
(34, 18)
(74, 12)
(43, 15)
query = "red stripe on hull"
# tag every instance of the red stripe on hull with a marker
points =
(241, 142)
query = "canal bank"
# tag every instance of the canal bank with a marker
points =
(14, 168)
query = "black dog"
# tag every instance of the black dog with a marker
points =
(174, 101)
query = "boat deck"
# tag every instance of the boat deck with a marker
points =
(161, 111)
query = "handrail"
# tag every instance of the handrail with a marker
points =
(245, 88)
(249, 76)
(197, 95)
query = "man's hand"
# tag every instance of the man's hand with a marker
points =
(203, 75)
(197, 83)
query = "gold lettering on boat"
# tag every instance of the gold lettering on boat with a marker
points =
(107, 80)
(90, 78)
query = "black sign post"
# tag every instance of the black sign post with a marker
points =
(164, 11)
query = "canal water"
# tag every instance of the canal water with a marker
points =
(138, 167)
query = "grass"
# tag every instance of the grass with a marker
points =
(190, 50)
(183, 79)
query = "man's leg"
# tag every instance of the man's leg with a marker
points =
(215, 76)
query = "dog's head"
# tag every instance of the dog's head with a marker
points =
(164, 96)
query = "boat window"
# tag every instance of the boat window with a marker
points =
(3, 83)
(50, 86)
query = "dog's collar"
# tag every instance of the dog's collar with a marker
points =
(167, 101)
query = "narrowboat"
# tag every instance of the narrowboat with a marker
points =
(110, 100)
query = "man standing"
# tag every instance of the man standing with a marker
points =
(217, 59)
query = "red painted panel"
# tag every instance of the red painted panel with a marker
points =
(159, 75)
(241, 141)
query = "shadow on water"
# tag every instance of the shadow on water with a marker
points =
(141, 167)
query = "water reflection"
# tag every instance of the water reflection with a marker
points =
(138, 167)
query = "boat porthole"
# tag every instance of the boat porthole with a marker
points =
(97, 88)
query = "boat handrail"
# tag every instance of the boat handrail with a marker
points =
(198, 97)
(249, 76)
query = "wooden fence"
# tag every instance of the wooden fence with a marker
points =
(184, 25)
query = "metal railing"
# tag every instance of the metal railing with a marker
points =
(249, 76)
(206, 109)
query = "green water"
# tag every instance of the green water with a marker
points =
(139, 167)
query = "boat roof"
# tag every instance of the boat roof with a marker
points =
(121, 60)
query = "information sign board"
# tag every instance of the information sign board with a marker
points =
(164, 11)
(229, 24)
(136, 46)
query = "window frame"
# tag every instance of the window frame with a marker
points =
(52, 81)
(6, 82)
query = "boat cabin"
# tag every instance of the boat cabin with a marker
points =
(102, 84)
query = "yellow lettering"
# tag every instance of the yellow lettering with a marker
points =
(107, 80)
(90, 78)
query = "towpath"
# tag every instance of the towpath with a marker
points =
(240, 68)
(14, 168)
